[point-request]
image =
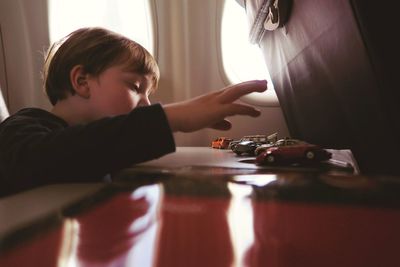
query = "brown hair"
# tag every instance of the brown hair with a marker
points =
(96, 49)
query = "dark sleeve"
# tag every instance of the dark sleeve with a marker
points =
(30, 154)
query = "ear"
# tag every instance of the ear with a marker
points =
(79, 81)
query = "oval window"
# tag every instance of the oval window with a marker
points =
(242, 60)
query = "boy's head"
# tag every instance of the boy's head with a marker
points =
(94, 61)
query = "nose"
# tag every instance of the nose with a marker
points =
(144, 101)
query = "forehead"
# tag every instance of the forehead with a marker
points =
(119, 73)
(126, 73)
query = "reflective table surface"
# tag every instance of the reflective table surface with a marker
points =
(212, 216)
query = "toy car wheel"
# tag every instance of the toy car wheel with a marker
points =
(270, 159)
(310, 155)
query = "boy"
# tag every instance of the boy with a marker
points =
(99, 84)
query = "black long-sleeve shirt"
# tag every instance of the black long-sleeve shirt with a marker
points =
(37, 147)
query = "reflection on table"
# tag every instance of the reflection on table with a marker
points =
(216, 216)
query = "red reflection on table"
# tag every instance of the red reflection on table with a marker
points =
(152, 229)
(148, 227)
(194, 232)
(120, 232)
(306, 234)
(42, 250)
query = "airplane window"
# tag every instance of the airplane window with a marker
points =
(242, 60)
(131, 18)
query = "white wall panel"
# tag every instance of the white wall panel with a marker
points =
(25, 37)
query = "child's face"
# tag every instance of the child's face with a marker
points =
(117, 91)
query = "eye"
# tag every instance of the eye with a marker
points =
(133, 86)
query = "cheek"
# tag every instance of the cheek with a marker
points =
(125, 102)
(116, 102)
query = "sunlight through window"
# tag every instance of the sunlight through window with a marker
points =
(242, 60)
(131, 18)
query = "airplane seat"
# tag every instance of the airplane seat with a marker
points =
(333, 67)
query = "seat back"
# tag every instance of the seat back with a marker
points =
(333, 66)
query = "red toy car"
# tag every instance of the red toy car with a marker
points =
(299, 153)
(221, 143)
(282, 142)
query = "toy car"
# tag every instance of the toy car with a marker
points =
(280, 142)
(298, 153)
(221, 143)
(245, 147)
(248, 144)
(262, 148)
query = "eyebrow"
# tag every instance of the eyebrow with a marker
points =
(135, 75)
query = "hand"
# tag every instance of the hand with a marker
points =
(211, 110)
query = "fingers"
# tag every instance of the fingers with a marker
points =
(223, 125)
(210, 110)
(241, 109)
(234, 109)
(234, 92)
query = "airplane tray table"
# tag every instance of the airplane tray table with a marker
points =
(187, 216)
(217, 161)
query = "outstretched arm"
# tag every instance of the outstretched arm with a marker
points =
(211, 110)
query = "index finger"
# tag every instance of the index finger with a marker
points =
(236, 91)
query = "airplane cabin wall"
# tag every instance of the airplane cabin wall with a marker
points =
(187, 50)
(190, 62)
(24, 32)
